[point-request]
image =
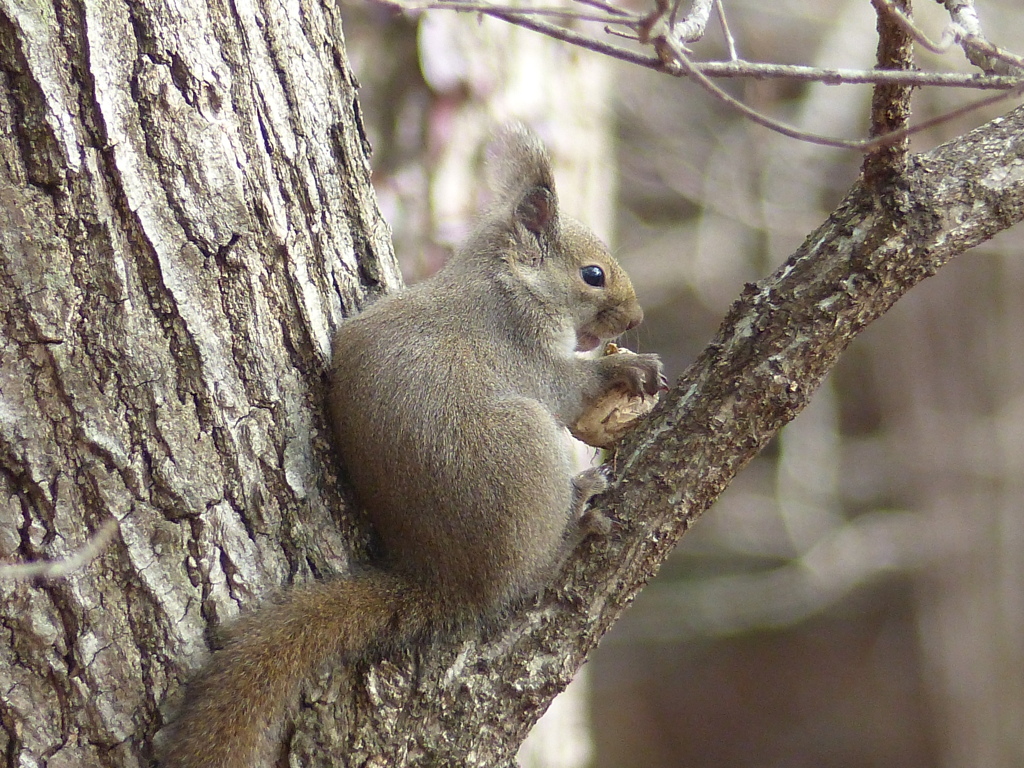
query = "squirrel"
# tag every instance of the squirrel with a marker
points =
(450, 402)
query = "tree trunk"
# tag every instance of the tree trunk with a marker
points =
(186, 216)
(185, 211)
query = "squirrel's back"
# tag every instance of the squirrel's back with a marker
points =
(437, 444)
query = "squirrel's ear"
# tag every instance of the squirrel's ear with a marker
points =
(521, 176)
(537, 210)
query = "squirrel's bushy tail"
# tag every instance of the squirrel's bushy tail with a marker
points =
(233, 710)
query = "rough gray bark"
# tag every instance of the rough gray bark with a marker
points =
(185, 211)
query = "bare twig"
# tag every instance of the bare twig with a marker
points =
(730, 41)
(495, 9)
(833, 76)
(949, 34)
(613, 9)
(55, 569)
(1000, 61)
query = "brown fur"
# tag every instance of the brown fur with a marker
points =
(450, 402)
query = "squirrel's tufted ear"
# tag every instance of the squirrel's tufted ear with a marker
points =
(537, 210)
(521, 177)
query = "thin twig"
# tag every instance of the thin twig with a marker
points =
(1014, 64)
(730, 41)
(674, 12)
(461, 6)
(613, 9)
(764, 71)
(949, 34)
(55, 569)
(575, 38)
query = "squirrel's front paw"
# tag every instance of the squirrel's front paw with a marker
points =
(632, 383)
(645, 376)
(639, 375)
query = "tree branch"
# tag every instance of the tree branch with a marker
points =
(776, 344)
(890, 102)
(781, 338)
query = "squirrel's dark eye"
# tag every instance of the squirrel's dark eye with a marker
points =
(593, 276)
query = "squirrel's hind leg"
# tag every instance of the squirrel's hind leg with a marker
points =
(584, 522)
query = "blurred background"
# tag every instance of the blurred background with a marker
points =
(856, 598)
